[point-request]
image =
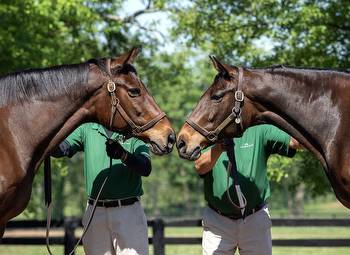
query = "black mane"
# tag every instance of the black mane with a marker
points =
(43, 83)
(288, 67)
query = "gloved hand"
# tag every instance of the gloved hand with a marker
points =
(115, 150)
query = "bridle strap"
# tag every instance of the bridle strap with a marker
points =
(135, 129)
(234, 115)
(115, 105)
(211, 135)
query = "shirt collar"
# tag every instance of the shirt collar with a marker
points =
(101, 129)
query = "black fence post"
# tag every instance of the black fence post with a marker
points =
(158, 237)
(70, 224)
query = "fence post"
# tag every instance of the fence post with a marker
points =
(70, 225)
(158, 237)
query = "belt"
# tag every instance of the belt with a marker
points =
(114, 203)
(238, 215)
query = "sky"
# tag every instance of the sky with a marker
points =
(162, 19)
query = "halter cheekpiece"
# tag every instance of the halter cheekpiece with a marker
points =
(235, 115)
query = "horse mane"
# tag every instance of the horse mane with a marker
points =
(43, 83)
(280, 67)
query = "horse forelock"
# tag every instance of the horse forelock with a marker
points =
(43, 83)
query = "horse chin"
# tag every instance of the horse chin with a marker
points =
(158, 149)
(194, 155)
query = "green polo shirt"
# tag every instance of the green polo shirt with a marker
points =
(251, 151)
(121, 183)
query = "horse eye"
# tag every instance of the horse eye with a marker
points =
(217, 96)
(134, 92)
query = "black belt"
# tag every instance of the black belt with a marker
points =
(114, 203)
(238, 215)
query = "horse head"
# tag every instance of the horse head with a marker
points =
(123, 103)
(222, 112)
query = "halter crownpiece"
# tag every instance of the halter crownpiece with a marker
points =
(235, 115)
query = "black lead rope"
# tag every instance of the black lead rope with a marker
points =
(48, 195)
(48, 199)
(93, 208)
(232, 170)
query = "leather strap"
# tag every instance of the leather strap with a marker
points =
(232, 170)
(212, 135)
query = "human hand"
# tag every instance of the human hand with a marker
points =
(115, 150)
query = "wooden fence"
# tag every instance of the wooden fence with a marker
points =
(159, 240)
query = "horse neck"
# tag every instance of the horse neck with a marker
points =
(36, 126)
(299, 102)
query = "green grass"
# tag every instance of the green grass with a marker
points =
(277, 233)
(177, 249)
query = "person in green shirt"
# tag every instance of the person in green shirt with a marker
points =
(226, 226)
(119, 224)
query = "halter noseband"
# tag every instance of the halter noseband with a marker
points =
(235, 114)
(115, 105)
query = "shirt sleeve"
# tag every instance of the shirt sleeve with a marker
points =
(277, 141)
(76, 140)
(141, 148)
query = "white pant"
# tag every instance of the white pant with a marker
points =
(116, 230)
(222, 236)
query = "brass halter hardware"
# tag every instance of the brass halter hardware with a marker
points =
(115, 105)
(212, 135)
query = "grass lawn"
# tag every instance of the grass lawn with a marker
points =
(177, 250)
(277, 233)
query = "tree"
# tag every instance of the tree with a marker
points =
(260, 32)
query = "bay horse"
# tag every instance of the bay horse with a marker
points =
(40, 107)
(312, 105)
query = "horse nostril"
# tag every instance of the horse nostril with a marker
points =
(171, 140)
(196, 153)
(181, 144)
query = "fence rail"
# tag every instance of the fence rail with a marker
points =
(158, 239)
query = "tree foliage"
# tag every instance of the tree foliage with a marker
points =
(260, 32)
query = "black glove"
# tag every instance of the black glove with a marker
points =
(115, 150)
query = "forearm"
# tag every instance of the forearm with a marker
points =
(208, 159)
(139, 164)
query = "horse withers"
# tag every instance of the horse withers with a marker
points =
(39, 108)
(312, 105)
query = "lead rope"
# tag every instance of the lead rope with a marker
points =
(48, 199)
(93, 207)
(47, 182)
(232, 169)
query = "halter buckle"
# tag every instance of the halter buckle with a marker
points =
(212, 137)
(239, 96)
(111, 86)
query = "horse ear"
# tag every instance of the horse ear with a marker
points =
(126, 58)
(220, 67)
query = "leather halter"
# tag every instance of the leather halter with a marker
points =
(115, 105)
(212, 135)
